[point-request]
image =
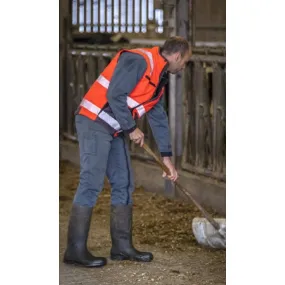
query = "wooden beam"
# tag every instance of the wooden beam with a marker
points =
(64, 25)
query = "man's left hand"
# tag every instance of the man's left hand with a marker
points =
(173, 173)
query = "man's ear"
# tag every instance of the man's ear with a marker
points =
(177, 56)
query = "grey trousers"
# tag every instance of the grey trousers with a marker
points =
(102, 155)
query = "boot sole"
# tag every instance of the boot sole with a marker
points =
(71, 262)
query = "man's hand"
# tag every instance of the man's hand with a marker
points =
(137, 137)
(173, 173)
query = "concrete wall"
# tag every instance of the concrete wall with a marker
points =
(148, 175)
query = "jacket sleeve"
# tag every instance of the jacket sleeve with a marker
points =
(129, 70)
(158, 122)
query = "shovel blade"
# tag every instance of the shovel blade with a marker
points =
(206, 235)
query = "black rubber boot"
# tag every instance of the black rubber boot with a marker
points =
(77, 252)
(121, 234)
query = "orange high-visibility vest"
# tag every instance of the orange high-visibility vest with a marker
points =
(139, 100)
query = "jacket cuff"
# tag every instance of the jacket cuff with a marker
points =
(131, 129)
(163, 154)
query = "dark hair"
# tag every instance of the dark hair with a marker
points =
(176, 44)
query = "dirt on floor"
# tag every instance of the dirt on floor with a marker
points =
(161, 225)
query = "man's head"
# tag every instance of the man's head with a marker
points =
(177, 51)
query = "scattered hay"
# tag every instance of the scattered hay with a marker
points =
(157, 220)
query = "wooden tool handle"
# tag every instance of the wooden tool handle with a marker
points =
(181, 188)
(161, 164)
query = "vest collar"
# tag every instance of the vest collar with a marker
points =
(160, 53)
(160, 58)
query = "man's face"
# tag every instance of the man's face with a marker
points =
(177, 62)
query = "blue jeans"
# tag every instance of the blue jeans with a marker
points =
(101, 154)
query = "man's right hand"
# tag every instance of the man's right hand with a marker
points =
(137, 137)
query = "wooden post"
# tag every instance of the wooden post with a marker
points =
(64, 11)
(182, 30)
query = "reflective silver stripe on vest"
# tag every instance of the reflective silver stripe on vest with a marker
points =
(103, 115)
(131, 102)
(140, 110)
(103, 81)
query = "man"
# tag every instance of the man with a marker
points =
(130, 86)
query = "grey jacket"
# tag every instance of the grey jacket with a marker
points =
(129, 70)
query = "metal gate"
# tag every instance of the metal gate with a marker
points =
(119, 16)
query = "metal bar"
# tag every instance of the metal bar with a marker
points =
(193, 22)
(106, 19)
(85, 15)
(112, 16)
(99, 19)
(133, 29)
(166, 17)
(127, 22)
(78, 13)
(145, 15)
(92, 15)
(153, 10)
(168, 186)
(147, 11)
(120, 16)
(172, 112)
(140, 16)
(70, 19)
